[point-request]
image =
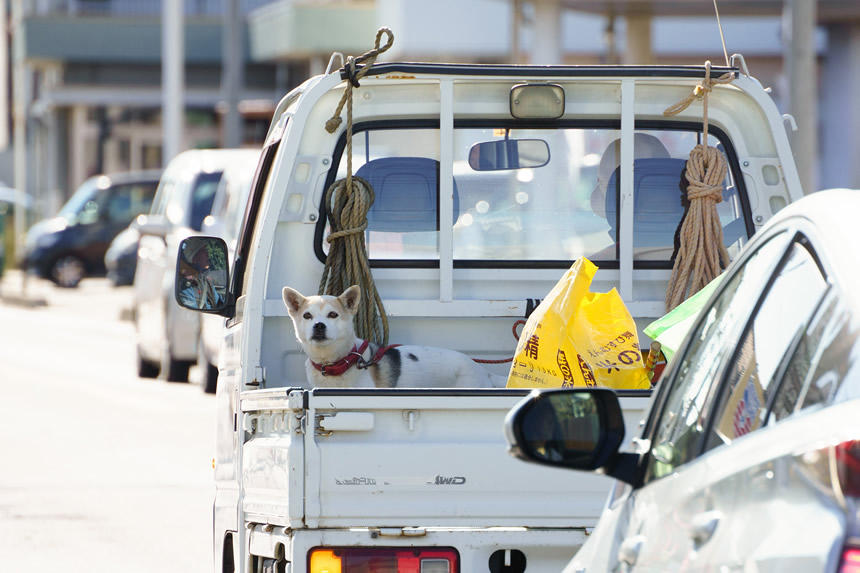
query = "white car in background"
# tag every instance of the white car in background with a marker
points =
(167, 335)
(749, 459)
(224, 221)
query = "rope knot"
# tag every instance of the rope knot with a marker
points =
(335, 235)
(701, 89)
(354, 72)
(713, 193)
(333, 123)
(351, 74)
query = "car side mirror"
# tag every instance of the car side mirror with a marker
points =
(508, 154)
(202, 275)
(151, 225)
(579, 429)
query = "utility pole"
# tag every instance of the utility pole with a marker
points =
(546, 45)
(232, 75)
(20, 108)
(172, 77)
(4, 74)
(799, 18)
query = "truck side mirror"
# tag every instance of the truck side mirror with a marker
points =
(579, 428)
(154, 225)
(202, 275)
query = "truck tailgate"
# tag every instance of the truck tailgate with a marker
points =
(416, 458)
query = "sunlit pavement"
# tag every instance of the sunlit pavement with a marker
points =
(102, 471)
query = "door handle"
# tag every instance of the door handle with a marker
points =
(704, 525)
(629, 551)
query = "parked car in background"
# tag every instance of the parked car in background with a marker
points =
(228, 208)
(167, 335)
(72, 245)
(750, 457)
(121, 256)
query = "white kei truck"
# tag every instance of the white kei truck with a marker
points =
(489, 182)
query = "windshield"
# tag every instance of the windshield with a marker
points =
(202, 197)
(562, 207)
(84, 204)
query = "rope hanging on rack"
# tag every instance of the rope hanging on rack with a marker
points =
(347, 202)
(701, 255)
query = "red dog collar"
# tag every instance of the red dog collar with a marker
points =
(355, 355)
(340, 366)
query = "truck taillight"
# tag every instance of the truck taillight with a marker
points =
(850, 560)
(848, 467)
(383, 560)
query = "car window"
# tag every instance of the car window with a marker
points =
(260, 187)
(560, 210)
(130, 200)
(835, 371)
(679, 428)
(84, 197)
(202, 196)
(818, 352)
(162, 195)
(773, 331)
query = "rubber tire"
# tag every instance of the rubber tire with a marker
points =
(176, 370)
(173, 370)
(67, 271)
(146, 368)
(227, 561)
(210, 377)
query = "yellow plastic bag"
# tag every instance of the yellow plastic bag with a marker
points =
(576, 337)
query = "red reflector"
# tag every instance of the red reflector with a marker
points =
(850, 560)
(848, 467)
(384, 560)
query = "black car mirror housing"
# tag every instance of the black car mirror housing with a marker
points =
(578, 429)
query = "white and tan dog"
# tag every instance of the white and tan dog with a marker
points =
(336, 358)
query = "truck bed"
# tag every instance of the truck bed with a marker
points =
(334, 458)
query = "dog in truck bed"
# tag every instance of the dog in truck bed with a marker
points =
(337, 358)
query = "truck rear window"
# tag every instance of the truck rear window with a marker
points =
(517, 200)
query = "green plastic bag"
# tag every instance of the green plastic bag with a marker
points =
(671, 328)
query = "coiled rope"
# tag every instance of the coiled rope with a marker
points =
(701, 255)
(347, 202)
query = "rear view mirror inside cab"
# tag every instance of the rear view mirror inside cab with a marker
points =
(508, 154)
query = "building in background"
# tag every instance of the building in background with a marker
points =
(93, 67)
(93, 98)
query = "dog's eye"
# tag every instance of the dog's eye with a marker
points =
(307, 316)
(332, 314)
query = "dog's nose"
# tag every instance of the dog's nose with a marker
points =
(319, 331)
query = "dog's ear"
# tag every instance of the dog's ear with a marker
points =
(350, 298)
(293, 299)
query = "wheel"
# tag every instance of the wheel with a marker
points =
(146, 368)
(210, 378)
(67, 271)
(175, 370)
(210, 371)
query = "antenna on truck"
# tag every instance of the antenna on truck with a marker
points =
(722, 36)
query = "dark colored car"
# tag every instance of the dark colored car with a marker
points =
(72, 245)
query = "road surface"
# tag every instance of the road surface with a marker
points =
(101, 471)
